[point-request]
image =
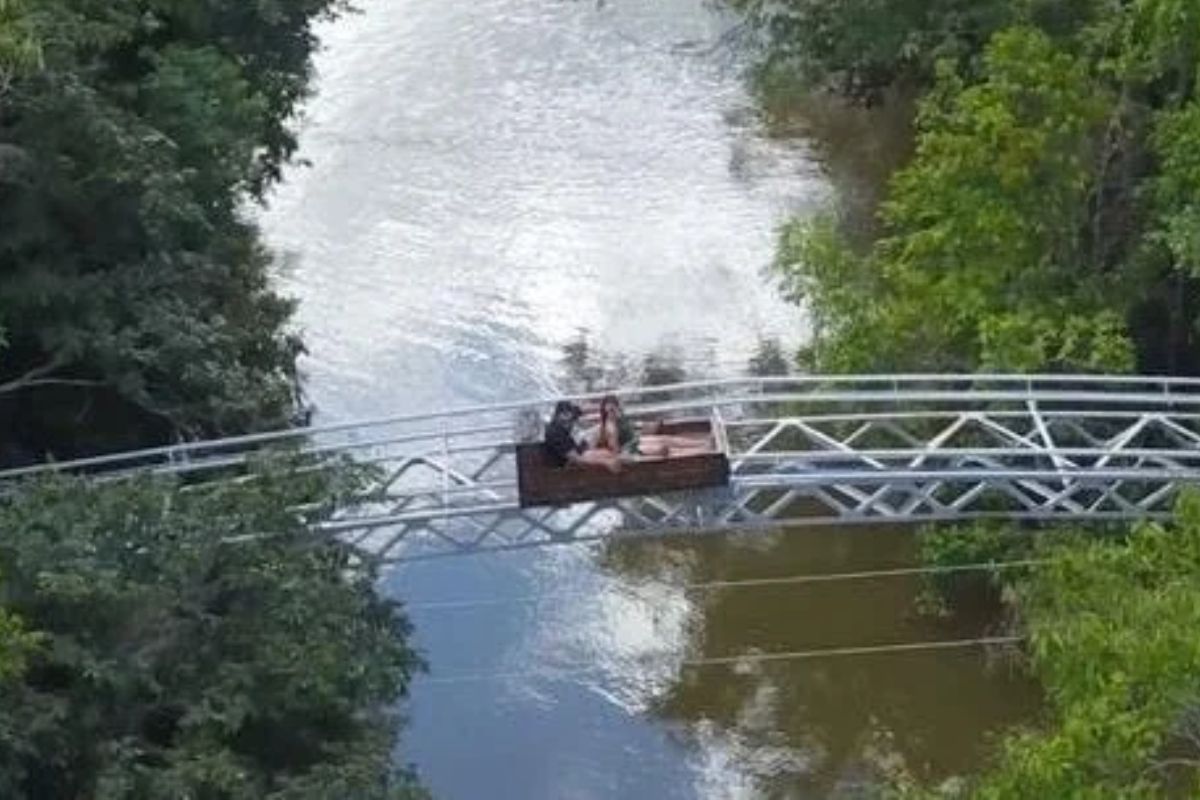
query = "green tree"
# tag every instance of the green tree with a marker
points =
(1047, 218)
(134, 291)
(197, 643)
(16, 646)
(860, 47)
(19, 50)
(985, 261)
(1112, 629)
(1047, 221)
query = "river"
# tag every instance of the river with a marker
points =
(507, 197)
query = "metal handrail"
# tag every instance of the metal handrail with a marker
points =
(802, 450)
(902, 454)
(847, 478)
(1125, 390)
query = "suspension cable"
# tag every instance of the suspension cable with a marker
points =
(705, 586)
(747, 658)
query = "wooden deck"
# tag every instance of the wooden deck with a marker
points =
(542, 484)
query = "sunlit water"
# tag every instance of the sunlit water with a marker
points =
(493, 181)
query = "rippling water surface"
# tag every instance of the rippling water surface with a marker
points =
(494, 182)
(493, 177)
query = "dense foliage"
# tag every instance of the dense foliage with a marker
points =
(155, 641)
(1111, 623)
(860, 47)
(192, 644)
(18, 49)
(133, 291)
(16, 646)
(1113, 635)
(1047, 219)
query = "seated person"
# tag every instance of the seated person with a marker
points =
(562, 448)
(619, 436)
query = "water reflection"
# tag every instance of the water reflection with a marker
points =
(490, 178)
(860, 147)
(588, 367)
(825, 727)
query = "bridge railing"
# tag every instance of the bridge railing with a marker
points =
(803, 450)
(761, 400)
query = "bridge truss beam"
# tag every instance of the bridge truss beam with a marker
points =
(804, 451)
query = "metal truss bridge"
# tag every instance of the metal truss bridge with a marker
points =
(804, 451)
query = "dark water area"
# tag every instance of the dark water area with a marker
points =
(828, 727)
(510, 198)
(859, 146)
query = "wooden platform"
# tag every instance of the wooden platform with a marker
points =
(542, 484)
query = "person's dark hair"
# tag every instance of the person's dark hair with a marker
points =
(608, 403)
(565, 408)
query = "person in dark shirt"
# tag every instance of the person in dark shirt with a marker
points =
(562, 448)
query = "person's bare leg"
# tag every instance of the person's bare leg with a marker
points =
(684, 442)
(663, 446)
(651, 447)
(689, 450)
(599, 458)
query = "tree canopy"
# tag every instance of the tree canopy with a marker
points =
(158, 640)
(133, 289)
(1112, 629)
(1110, 618)
(193, 643)
(1046, 220)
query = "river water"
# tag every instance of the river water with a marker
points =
(507, 197)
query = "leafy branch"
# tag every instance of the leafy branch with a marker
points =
(36, 377)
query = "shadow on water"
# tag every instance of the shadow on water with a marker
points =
(832, 727)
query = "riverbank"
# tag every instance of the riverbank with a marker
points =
(1044, 222)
